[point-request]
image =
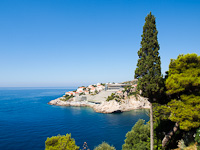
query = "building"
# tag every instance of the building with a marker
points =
(116, 86)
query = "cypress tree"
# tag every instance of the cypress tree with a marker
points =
(148, 71)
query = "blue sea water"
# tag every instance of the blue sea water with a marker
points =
(26, 120)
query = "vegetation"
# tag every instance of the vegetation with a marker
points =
(111, 97)
(197, 138)
(127, 88)
(183, 87)
(132, 93)
(67, 97)
(183, 84)
(131, 82)
(103, 84)
(138, 138)
(104, 146)
(82, 94)
(115, 97)
(191, 147)
(96, 92)
(61, 142)
(176, 117)
(130, 90)
(148, 71)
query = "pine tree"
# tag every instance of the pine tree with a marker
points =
(148, 71)
(183, 86)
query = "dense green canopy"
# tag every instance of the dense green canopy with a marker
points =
(183, 85)
(148, 69)
(138, 138)
(61, 142)
(104, 146)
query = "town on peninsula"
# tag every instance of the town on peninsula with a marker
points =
(105, 98)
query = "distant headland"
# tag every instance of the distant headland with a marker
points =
(105, 97)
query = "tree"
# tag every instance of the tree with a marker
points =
(61, 142)
(183, 86)
(138, 138)
(104, 146)
(148, 71)
(197, 138)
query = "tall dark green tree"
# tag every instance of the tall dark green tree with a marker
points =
(148, 71)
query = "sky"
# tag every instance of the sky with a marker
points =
(69, 43)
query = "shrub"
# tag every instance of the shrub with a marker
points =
(111, 97)
(104, 146)
(103, 84)
(81, 94)
(67, 97)
(197, 138)
(96, 92)
(61, 142)
(138, 138)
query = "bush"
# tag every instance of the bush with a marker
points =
(138, 138)
(103, 84)
(197, 138)
(111, 97)
(67, 97)
(61, 142)
(81, 94)
(104, 146)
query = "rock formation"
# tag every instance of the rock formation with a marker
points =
(107, 106)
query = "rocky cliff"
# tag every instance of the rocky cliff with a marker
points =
(107, 106)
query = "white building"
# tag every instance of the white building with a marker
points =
(92, 90)
(70, 93)
(80, 89)
(86, 92)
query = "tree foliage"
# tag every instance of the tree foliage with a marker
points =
(61, 142)
(197, 138)
(148, 69)
(138, 138)
(184, 75)
(183, 85)
(104, 146)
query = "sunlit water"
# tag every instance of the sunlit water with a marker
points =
(26, 120)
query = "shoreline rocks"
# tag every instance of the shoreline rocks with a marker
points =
(111, 106)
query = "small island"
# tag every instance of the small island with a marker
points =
(105, 98)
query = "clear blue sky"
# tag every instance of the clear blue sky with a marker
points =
(46, 43)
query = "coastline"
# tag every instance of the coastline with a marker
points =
(107, 106)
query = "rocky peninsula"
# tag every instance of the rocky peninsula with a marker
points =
(104, 98)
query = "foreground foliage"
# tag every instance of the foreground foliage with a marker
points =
(61, 142)
(183, 84)
(197, 138)
(104, 146)
(138, 138)
(181, 112)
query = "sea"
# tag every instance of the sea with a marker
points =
(26, 120)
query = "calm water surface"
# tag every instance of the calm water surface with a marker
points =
(26, 120)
